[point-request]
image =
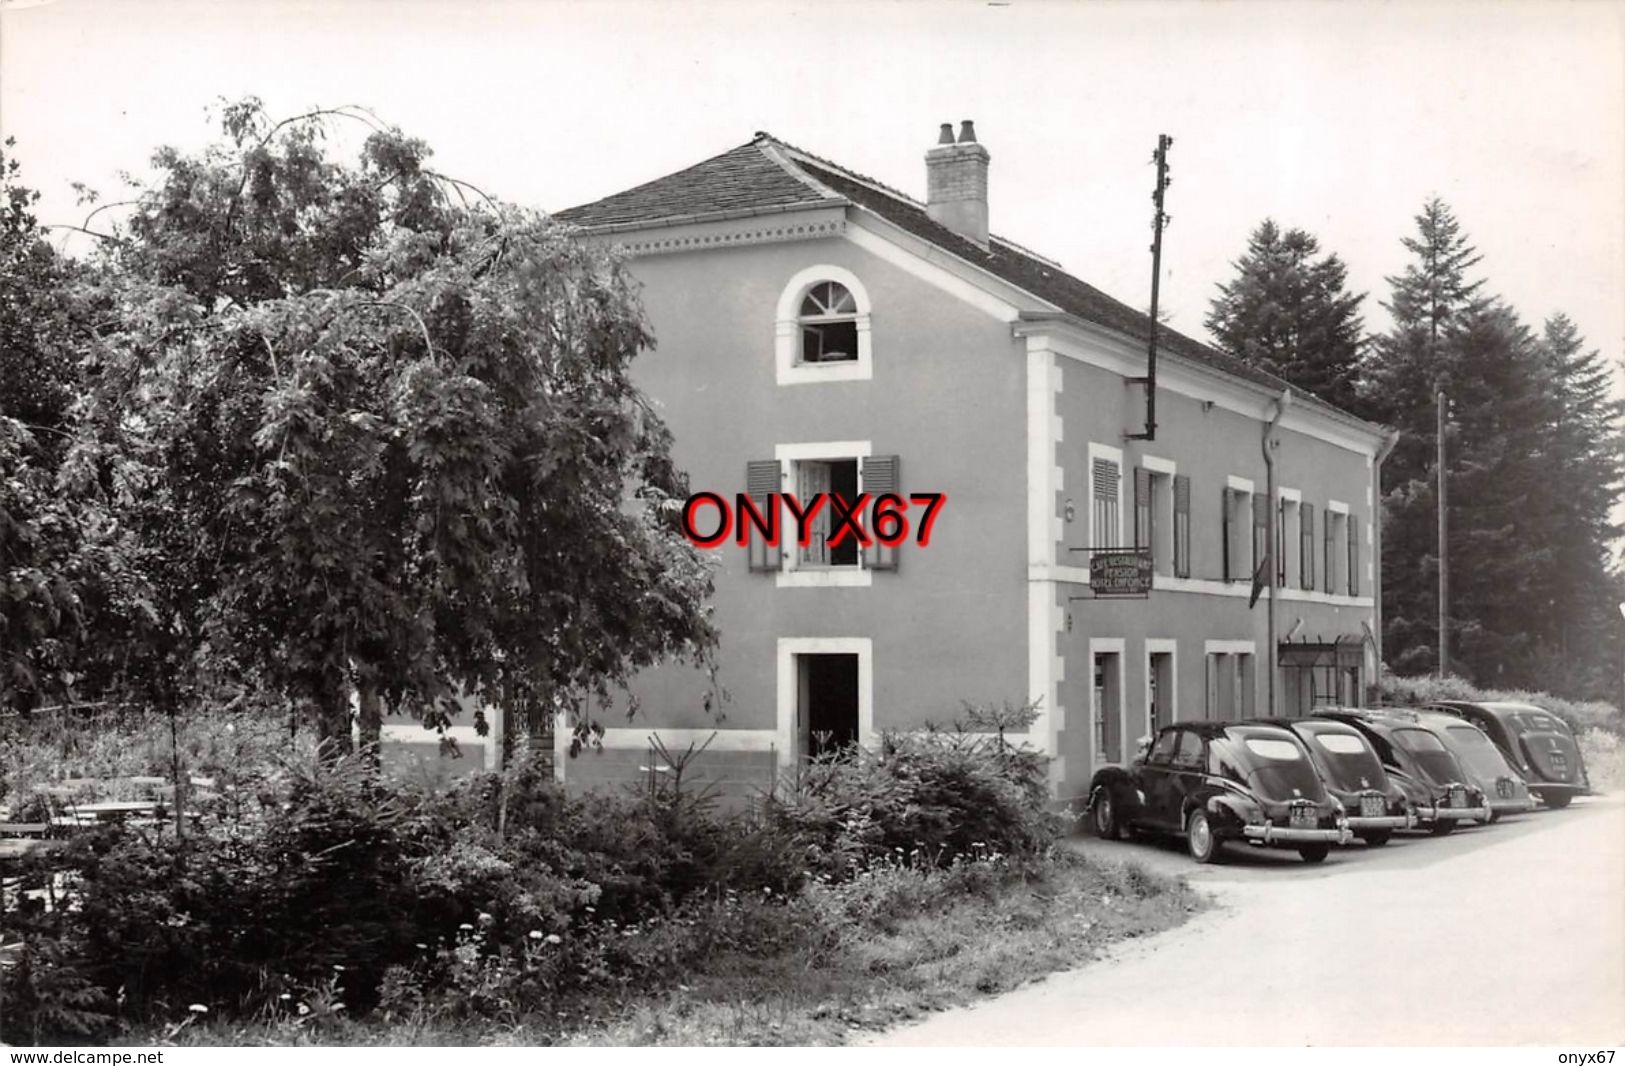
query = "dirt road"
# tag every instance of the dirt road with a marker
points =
(1505, 934)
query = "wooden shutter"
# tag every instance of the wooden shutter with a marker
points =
(1330, 536)
(1182, 525)
(1105, 477)
(1354, 555)
(761, 483)
(1280, 544)
(1225, 498)
(1143, 520)
(882, 474)
(1306, 544)
(1261, 529)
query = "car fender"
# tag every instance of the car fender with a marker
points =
(1227, 811)
(1124, 792)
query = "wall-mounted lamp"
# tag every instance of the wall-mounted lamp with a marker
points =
(1070, 510)
(1207, 405)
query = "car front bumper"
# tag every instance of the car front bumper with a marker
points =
(1274, 834)
(1453, 814)
(1387, 821)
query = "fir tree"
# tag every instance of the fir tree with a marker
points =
(1291, 314)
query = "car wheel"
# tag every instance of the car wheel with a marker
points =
(1556, 801)
(1495, 816)
(1315, 852)
(1199, 838)
(1105, 817)
(1376, 838)
(1443, 827)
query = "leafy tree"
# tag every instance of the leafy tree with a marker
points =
(376, 432)
(1291, 314)
(55, 554)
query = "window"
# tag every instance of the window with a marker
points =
(1237, 494)
(1182, 526)
(1162, 752)
(1270, 748)
(837, 477)
(1105, 525)
(1306, 547)
(822, 328)
(1154, 512)
(1334, 522)
(1144, 511)
(832, 555)
(1189, 756)
(829, 324)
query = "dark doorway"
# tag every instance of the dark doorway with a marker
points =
(829, 702)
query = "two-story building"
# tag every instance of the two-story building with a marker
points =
(820, 331)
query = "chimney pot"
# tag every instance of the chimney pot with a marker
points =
(956, 183)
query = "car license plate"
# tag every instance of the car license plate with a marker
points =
(1304, 818)
(1372, 807)
(1458, 797)
(1560, 762)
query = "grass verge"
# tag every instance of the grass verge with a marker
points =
(905, 943)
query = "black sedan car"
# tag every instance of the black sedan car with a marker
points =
(1442, 793)
(1218, 781)
(1536, 742)
(1353, 774)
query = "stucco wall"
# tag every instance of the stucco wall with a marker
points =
(947, 396)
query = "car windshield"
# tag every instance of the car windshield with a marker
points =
(1476, 752)
(1432, 758)
(1346, 760)
(1275, 767)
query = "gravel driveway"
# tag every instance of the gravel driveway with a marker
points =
(1505, 934)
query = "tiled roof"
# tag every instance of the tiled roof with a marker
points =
(747, 178)
(768, 174)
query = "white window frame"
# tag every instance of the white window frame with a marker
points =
(1119, 647)
(794, 574)
(1239, 498)
(788, 648)
(1113, 455)
(1163, 646)
(789, 368)
(1162, 512)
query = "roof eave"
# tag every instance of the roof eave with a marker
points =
(1377, 432)
(704, 216)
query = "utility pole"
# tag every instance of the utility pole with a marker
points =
(1444, 543)
(1158, 221)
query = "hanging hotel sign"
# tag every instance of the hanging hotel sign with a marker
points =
(1120, 572)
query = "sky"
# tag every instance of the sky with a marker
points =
(1341, 119)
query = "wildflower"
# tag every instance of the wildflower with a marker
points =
(423, 947)
(338, 1006)
(536, 934)
(303, 1010)
(286, 995)
(554, 938)
(198, 1008)
(338, 968)
(485, 919)
(465, 925)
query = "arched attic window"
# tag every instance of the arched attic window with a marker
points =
(823, 328)
(829, 324)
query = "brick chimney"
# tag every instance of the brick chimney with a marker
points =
(956, 183)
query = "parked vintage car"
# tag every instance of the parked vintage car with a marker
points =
(1442, 793)
(1535, 741)
(1354, 775)
(1505, 790)
(1218, 781)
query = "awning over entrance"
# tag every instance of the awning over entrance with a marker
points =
(1346, 651)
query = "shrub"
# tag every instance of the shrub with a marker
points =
(1579, 715)
(920, 798)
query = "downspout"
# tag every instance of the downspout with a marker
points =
(1389, 442)
(1269, 444)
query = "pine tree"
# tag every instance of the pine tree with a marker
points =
(1291, 314)
(1586, 477)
